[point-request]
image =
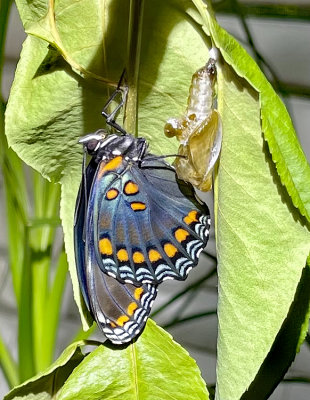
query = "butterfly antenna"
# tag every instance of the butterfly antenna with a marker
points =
(122, 93)
(165, 156)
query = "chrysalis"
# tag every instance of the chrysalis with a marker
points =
(199, 130)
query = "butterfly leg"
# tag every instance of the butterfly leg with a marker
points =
(119, 92)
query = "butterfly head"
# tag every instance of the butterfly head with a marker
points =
(92, 141)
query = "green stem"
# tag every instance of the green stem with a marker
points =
(133, 64)
(53, 306)
(8, 365)
(289, 89)
(5, 6)
(297, 379)
(25, 327)
(262, 10)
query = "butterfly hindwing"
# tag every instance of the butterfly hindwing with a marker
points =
(149, 226)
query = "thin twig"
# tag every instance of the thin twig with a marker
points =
(186, 290)
(263, 10)
(190, 318)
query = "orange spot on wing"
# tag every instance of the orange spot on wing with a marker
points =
(131, 308)
(181, 234)
(113, 325)
(122, 319)
(192, 216)
(122, 255)
(138, 293)
(109, 166)
(138, 257)
(170, 250)
(105, 246)
(137, 206)
(112, 194)
(131, 188)
(154, 255)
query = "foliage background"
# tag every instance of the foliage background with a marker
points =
(281, 55)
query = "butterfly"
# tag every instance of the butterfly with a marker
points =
(136, 225)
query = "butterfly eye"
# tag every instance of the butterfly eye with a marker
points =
(92, 140)
(91, 145)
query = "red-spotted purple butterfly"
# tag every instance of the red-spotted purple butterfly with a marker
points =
(136, 225)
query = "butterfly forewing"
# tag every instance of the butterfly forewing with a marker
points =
(119, 310)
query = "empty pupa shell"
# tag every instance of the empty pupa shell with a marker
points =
(199, 131)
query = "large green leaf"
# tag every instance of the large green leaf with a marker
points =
(47, 384)
(153, 368)
(262, 242)
(283, 350)
(51, 106)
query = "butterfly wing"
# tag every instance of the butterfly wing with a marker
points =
(79, 228)
(150, 226)
(120, 310)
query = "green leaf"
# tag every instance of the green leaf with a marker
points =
(47, 384)
(31, 11)
(283, 351)
(51, 106)
(126, 372)
(262, 242)
(154, 367)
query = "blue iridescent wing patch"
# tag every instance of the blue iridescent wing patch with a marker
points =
(149, 225)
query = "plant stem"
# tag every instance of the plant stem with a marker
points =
(53, 307)
(297, 379)
(8, 365)
(133, 65)
(262, 10)
(241, 14)
(189, 318)
(5, 6)
(25, 326)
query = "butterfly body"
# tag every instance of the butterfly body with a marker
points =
(136, 226)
